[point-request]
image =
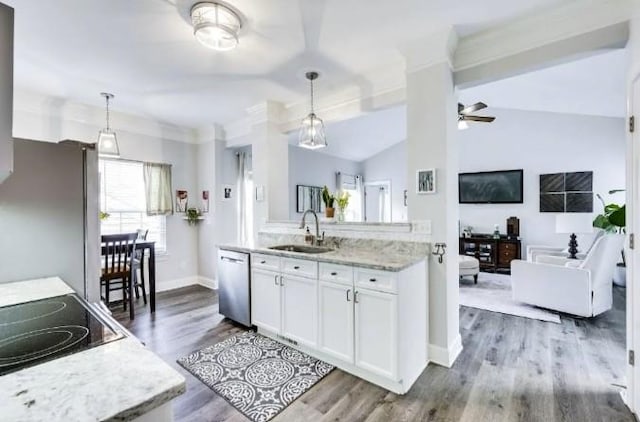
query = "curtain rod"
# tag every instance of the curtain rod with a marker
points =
(126, 160)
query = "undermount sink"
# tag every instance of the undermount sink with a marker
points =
(301, 248)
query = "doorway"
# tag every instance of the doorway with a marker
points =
(377, 202)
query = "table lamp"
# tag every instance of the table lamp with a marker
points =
(572, 223)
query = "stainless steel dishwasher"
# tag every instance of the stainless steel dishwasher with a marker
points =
(234, 286)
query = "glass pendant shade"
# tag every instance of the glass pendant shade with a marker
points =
(215, 26)
(107, 141)
(312, 134)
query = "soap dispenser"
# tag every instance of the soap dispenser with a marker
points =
(308, 237)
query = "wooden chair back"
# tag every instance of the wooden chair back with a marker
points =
(116, 254)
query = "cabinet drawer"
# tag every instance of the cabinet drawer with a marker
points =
(342, 274)
(267, 262)
(376, 280)
(509, 246)
(300, 267)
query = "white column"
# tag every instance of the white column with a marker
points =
(432, 144)
(270, 162)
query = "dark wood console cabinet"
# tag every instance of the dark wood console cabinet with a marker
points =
(494, 254)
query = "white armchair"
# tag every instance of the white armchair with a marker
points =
(535, 251)
(578, 287)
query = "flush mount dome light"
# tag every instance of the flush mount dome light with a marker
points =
(215, 25)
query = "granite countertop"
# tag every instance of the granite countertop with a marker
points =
(366, 258)
(117, 381)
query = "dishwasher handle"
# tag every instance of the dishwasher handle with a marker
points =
(232, 260)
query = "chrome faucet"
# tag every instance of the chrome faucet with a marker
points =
(317, 240)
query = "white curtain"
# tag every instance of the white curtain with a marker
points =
(157, 188)
(244, 185)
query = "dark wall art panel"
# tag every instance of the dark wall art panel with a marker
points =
(579, 202)
(566, 192)
(552, 182)
(579, 182)
(552, 202)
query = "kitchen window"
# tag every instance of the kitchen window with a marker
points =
(122, 196)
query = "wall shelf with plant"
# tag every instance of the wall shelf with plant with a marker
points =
(193, 216)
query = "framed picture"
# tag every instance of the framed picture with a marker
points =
(182, 200)
(227, 192)
(426, 181)
(205, 201)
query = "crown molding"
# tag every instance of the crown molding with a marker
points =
(437, 47)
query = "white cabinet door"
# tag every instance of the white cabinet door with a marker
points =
(299, 309)
(335, 336)
(265, 300)
(376, 332)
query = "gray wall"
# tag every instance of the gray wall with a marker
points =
(314, 168)
(390, 164)
(41, 215)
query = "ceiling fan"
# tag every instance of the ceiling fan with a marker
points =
(464, 115)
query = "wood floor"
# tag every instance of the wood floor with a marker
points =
(511, 369)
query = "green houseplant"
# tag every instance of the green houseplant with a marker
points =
(329, 199)
(613, 220)
(193, 215)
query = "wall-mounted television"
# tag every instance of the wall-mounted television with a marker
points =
(490, 187)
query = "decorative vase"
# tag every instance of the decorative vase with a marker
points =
(341, 214)
(329, 212)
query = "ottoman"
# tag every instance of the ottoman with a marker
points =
(469, 266)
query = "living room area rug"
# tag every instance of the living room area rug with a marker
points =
(257, 375)
(493, 293)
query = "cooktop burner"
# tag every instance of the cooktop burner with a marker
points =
(35, 332)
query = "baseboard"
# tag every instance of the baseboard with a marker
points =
(445, 356)
(163, 286)
(209, 283)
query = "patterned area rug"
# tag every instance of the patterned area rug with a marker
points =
(493, 293)
(258, 376)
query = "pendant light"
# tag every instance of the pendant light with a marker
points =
(107, 142)
(312, 135)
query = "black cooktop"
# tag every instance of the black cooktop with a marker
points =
(35, 332)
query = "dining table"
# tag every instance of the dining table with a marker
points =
(143, 246)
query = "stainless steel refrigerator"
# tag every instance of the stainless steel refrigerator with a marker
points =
(49, 215)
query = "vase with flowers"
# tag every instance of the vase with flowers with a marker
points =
(343, 203)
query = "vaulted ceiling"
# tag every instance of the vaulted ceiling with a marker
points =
(144, 50)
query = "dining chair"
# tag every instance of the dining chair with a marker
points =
(139, 257)
(116, 258)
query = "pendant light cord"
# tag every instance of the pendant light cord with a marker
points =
(311, 82)
(107, 97)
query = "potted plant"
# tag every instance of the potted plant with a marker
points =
(613, 220)
(328, 200)
(193, 215)
(103, 215)
(343, 203)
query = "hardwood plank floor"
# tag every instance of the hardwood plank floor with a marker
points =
(511, 369)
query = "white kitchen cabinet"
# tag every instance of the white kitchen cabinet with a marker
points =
(266, 300)
(335, 334)
(376, 332)
(299, 309)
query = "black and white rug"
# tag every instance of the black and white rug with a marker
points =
(257, 375)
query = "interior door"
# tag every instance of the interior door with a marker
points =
(633, 227)
(335, 335)
(376, 332)
(299, 309)
(372, 199)
(265, 300)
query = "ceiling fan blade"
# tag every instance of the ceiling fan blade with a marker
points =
(485, 119)
(460, 107)
(472, 108)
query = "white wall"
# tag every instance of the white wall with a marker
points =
(390, 164)
(540, 143)
(313, 168)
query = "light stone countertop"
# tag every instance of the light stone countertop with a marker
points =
(365, 258)
(117, 381)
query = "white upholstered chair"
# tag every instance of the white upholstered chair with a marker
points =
(578, 287)
(534, 251)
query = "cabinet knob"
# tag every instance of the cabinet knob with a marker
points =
(373, 280)
(296, 267)
(263, 262)
(334, 274)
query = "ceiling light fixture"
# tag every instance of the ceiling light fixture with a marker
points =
(312, 135)
(462, 125)
(107, 141)
(215, 25)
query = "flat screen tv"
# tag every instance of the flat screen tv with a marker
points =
(490, 187)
